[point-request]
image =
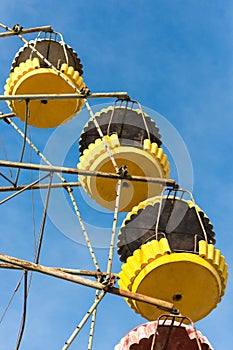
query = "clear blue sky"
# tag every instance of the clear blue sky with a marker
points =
(175, 57)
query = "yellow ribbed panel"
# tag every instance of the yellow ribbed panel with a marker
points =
(194, 283)
(140, 162)
(217, 260)
(141, 258)
(29, 78)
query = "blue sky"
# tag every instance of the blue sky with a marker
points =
(175, 57)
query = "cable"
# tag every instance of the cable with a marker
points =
(41, 235)
(11, 299)
(20, 336)
(6, 158)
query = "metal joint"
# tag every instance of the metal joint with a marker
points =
(109, 282)
(17, 28)
(123, 171)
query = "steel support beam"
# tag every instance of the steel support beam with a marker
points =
(164, 305)
(26, 31)
(75, 171)
(39, 187)
(28, 97)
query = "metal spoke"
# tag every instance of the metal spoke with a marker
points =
(83, 321)
(41, 235)
(93, 321)
(22, 327)
(114, 226)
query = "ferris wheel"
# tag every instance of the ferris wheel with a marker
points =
(171, 272)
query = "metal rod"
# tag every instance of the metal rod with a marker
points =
(83, 321)
(161, 304)
(120, 94)
(38, 152)
(7, 115)
(95, 274)
(51, 271)
(159, 214)
(69, 190)
(26, 31)
(22, 327)
(92, 329)
(168, 337)
(6, 178)
(143, 118)
(75, 171)
(23, 189)
(114, 227)
(40, 239)
(39, 187)
(9, 266)
(11, 299)
(10, 180)
(165, 305)
(93, 321)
